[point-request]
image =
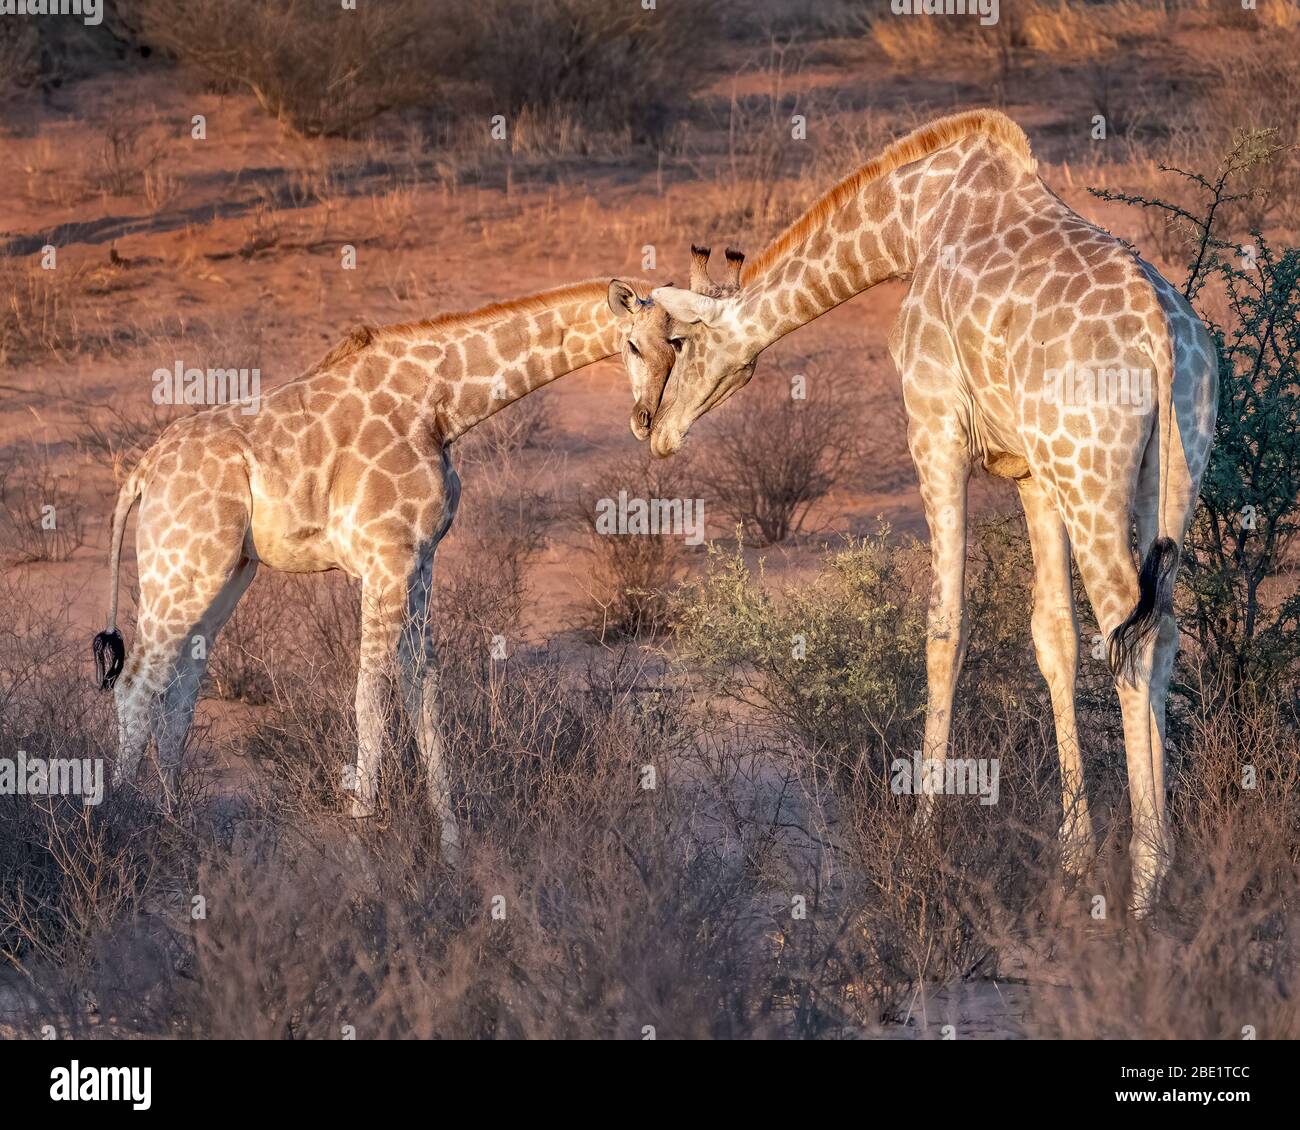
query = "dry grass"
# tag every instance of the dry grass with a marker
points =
(1268, 15)
(1223, 954)
(40, 513)
(129, 151)
(1061, 30)
(632, 573)
(748, 892)
(567, 65)
(20, 51)
(44, 313)
(315, 70)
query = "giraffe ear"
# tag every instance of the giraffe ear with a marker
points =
(688, 306)
(623, 299)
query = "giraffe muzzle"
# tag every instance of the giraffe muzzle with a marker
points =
(641, 421)
(664, 443)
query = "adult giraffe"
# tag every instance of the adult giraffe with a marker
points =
(1038, 346)
(346, 467)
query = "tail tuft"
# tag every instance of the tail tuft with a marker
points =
(110, 654)
(1155, 599)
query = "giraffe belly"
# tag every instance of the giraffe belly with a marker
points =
(294, 546)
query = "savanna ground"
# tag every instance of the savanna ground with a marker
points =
(671, 821)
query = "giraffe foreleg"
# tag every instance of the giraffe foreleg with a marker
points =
(944, 469)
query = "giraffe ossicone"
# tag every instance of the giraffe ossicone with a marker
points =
(347, 467)
(1008, 288)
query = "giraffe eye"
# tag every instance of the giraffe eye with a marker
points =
(633, 349)
(677, 343)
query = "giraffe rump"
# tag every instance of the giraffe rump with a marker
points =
(1155, 600)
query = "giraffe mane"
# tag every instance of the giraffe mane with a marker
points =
(362, 337)
(356, 341)
(587, 290)
(919, 143)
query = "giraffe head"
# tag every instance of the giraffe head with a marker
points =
(660, 336)
(648, 351)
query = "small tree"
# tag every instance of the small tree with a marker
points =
(633, 569)
(773, 453)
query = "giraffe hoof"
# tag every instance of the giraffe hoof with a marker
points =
(1151, 860)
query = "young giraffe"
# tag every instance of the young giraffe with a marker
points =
(1015, 304)
(347, 468)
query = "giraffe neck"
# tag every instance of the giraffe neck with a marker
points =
(874, 234)
(484, 369)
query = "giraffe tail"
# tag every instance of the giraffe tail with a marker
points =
(1156, 578)
(108, 647)
(1155, 600)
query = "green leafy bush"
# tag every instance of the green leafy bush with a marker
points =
(839, 661)
(1237, 599)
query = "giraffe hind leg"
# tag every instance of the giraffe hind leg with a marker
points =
(194, 560)
(1055, 630)
(175, 708)
(420, 688)
(1161, 638)
(158, 688)
(1111, 578)
(132, 695)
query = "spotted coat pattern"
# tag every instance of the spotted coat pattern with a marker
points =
(1033, 345)
(348, 467)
